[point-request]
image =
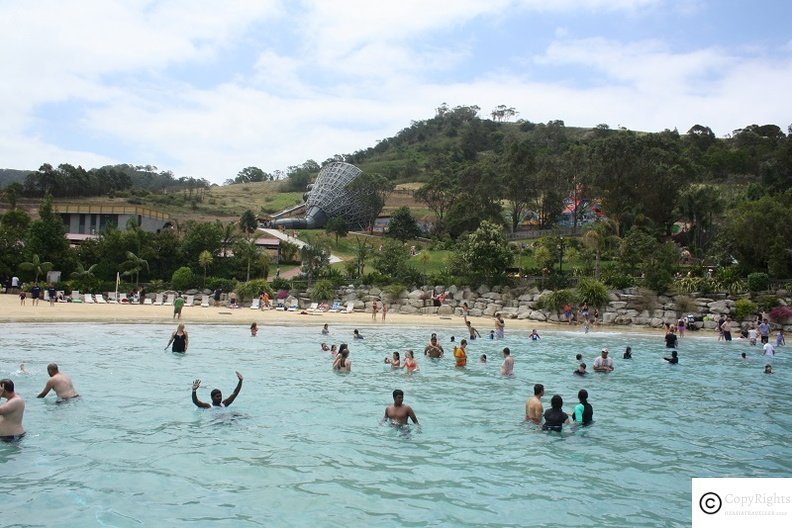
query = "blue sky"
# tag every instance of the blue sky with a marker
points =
(207, 88)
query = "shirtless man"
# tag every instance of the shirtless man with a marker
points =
(60, 383)
(433, 349)
(11, 413)
(398, 413)
(533, 407)
(507, 367)
(217, 396)
(473, 333)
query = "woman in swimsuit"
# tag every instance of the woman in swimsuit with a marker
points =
(395, 362)
(342, 363)
(179, 339)
(409, 361)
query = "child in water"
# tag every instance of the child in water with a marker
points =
(483, 358)
(780, 338)
(253, 329)
(395, 362)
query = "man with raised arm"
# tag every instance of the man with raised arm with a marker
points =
(60, 383)
(11, 413)
(217, 396)
(398, 413)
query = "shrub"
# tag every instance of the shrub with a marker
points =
(556, 300)
(392, 291)
(249, 290)
(323, 290)
(593, 292)
(615, 278)
(767, 302)
(744, 309)
(182, 279)
(781, 314)
(685, 304)
(645, 299)
(758, 282)
(280, 284)
(226, 285)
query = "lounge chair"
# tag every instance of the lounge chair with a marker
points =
(281, 306)
(148, 300)
(350, 307)
(314, 308)
(205, 301)
(88, 298)
(122, 298)
(112, 297)
(294, 306)
(189, 301)
(159, 300)
(336, 307)
(46, 296)
(75, 296)
(100, 299)
(256, 304)
(169, 300)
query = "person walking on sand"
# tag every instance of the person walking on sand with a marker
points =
(11, 413)
(179, 339)
(60, 383)
(216, 394)
(374, 310)
(178, 304)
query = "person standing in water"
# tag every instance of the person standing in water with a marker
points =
(325, 329)
(409, 361)
(555, 417)
(583, 413)
(60, 383)
(179, 339)
(674, 359)
(342, 363)
(460, 355)
(253, 329)
(507, 367)
(398, 413)
(533, 407)
(217, 396)
(11, 413)
(500, 326)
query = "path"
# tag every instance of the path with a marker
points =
(297, 242)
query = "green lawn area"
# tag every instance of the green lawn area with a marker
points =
(430, 261)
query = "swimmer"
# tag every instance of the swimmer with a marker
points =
(583, 413)
(342, 363)
(673, 360)
(555, 417)
(179, 339)
(579, 357)
(507, 367)
(534, 335)
(603, 363)
(22, 369)
(752, 335)
(398, 413)
(325, 330)
(356, 334)
(452, 339)
(580, 371)
(768, 369)
(472, 332)
(483, 358)
(492, 334)
(433, 350)
(744, 356)
(628, 353)
(533, 407)
(780, 341)
(11, 413)
(409, 361)
(333, 350)
(217, 396)
(60, 383)
(460, 355)
(325, 348)
(253, 330)
(395, 362)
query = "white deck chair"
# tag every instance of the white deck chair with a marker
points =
(350, 307)
(122, 298)
(100, 299)
(189, 301)
(76, 297)
(294, 306)
(335, 308)
(88, 299)
(205, 301)
(169, 300)
(112, 297)
(159, 300)
(46, 295)
(314, 308)
(255, 304)
(148, 300)
(280, 306)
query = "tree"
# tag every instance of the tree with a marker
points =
(598, 239)
(518, 180)
(84, 277)
(36, 266)
(315, 257)
(251, 174)
(247, 251)
(484, 255)
(46, 237)
(403, 226)
(371, 191)
(133, 266)
(12, 192)
(205, 259)
(393, 261)
(503, 113)
(229, 235)
(337, 226)
(698, 204)
(363, 250)
(248, 222)
(182, 279)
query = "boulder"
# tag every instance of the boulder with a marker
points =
(483, 289)
(536, 315)
(719, 307)
(416, 294)
(407, 309)
(475, 312)
(608, 317)
(375, 292)
(445, 310)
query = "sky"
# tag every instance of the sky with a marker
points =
(206, 88)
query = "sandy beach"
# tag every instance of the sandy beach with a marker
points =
(12, 312)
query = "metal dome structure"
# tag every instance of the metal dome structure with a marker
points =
(329, 197)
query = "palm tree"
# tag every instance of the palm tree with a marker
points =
(247, 250)
(599, 238)
(134, 265)
(36, 266)
(205, 260)
(229, 235)
(363, 251)
(84, 276)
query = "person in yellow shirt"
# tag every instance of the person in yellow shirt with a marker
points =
(460, 355)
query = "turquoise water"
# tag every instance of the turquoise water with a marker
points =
(302, 445)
